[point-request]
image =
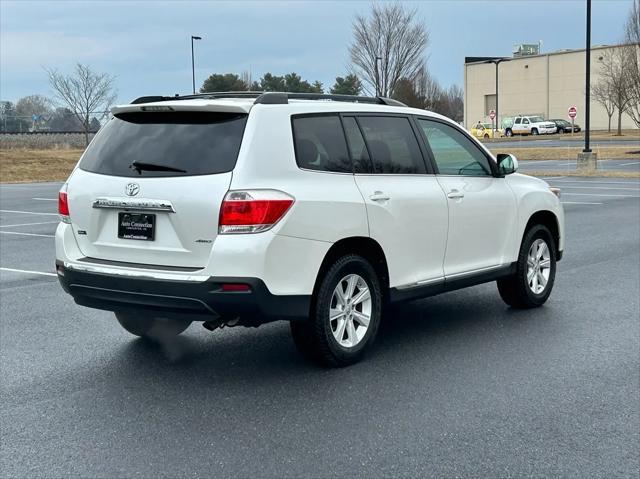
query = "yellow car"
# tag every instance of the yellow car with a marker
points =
(484, 130)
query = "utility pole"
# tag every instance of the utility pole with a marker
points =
(193, 68)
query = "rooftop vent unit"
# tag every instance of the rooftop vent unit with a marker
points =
(526, 49)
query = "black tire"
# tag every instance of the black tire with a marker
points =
(152, 327)
(508, 132)
(315, 339)
(534, 131)
(486, 136)
(515, 289)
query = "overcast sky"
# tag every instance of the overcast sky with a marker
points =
(146, 45)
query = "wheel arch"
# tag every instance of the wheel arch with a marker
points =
(364, 246)
(549, 220)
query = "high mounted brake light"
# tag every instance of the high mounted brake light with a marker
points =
(252, 211)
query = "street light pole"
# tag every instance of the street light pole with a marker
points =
(496, 62)
(193, 68)
(587, 109)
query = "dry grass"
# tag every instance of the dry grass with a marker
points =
(560, 153)
(22, 165)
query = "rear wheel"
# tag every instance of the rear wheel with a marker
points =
(508, 132)
(486, 136)
(531, 284)
(345, 314)
(139, 324)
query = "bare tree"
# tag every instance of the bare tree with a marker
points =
(632, 37)
(84, 92)
(428, 89)
(632, 28)
(602, 93)
(387, 45)
(613, 73)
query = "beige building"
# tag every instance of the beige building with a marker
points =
(545, 85)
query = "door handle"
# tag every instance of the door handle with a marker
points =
(455, 194)
(379, 196)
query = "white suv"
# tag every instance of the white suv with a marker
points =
(240, 209)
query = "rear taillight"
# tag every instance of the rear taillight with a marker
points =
(252, 211)
(63, 205)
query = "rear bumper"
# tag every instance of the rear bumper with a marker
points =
(201, 301)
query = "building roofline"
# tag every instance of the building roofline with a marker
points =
(557, 52)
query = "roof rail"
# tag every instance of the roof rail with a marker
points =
(284, 97)
(273, 98)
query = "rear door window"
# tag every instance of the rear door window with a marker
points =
(189, 143)
(392, 145)
(320, 144)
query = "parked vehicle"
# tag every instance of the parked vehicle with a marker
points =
(239, 209)
(529, 125)
(564, 126)
(485, 131)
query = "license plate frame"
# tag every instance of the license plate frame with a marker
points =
(136, 226)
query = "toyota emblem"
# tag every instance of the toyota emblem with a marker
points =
(132, 189)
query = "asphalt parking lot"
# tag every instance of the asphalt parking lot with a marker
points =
(457, 386)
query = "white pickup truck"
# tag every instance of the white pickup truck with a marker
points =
(530, 125)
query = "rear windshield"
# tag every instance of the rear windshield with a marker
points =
(189, 143)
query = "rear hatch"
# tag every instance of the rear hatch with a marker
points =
(149, 187)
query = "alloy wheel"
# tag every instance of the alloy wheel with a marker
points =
(538, 266)
(350, 310)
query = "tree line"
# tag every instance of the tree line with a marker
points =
(618, 89)
(38, 113)
(82, 99)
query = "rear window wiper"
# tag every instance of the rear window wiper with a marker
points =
(141, 166)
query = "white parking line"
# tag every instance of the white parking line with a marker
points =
(27, 271)
(588, 182)
(25, 234)
(600, 188)
(579, 203)
(31, 224)
(600, 194)
(27, 212)
(628, 164)
(45, 199)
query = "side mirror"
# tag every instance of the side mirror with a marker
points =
(507, 164)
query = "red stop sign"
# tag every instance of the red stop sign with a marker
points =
(573, 112)
(492, 114)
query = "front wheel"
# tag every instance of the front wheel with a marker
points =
(534, 132)
(152, 327)
(345, 314)
(531, 284)
(508, 132)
